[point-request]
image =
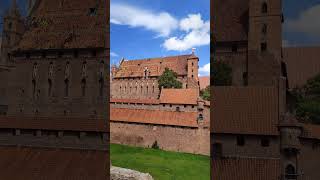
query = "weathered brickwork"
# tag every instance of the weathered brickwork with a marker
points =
(167, 137)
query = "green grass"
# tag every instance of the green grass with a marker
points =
(162, 165)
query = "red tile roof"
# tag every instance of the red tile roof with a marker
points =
(171, 118)
(52, 164)
(72, 124)
(140, 101)
(311, 131)
(302, 64)
(156, 66)
(230, 20)
(179, 96)
(204, 82)
(246, 169)
(67, 24)
(245, 110)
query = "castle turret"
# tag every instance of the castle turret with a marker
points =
(290, 131)
(13, 29)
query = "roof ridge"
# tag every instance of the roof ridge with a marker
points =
(158, 57)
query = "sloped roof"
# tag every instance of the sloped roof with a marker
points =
(66, 24)
(245, 169)
(57, 123)
(230, 20)
(156, 66)
(311, 131)
(51, 164)
(171, 118)
(179, 96)
(139, 101)
(204, 82)
(245, 110)
(302, 64)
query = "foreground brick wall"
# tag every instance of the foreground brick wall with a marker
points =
(169, 138)
(309, 159)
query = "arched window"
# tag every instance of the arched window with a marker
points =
(264, 29)
(34, 88)
(264, 8)
(290, 172)
(147, 89)
(83, 87)
(49, 87)
(200, 117)
(152, 89)
(101, 85)
(66, 87)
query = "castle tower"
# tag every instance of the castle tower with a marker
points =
(13, 29)
(265, 22)
(264, 42)
(290, 131)
(193, 66)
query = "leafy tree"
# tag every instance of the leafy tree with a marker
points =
(205, 93)
(307, 101)
(168, 79)
(221, 73)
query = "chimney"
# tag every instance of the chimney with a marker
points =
(193, 50)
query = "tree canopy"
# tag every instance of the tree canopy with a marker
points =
(307, 101)
(168, 79)
(222, 74)
(205, 93)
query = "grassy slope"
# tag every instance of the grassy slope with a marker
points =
(162, 165)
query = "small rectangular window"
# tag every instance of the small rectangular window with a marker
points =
(265, 142)
(263, 47)
(240, 141)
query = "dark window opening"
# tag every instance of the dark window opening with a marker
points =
(216, 150)
(263, 47)
(264, 8)
(245, 78)
(92, 11)
(200, 117)
(192, 63)
(290, 172)
(33, 88)
(60, 54)
(10, 25)
(83, 87)
(234, 48)
(66, 87)
(265, 142)
(101, 85)
(94, 53)
(75, 54)
(49, 87)
(178, 109)
(28, 55)
(240, 141)
(43, 55)
(264, 29)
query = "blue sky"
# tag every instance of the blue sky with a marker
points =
(302, 25)
(141, 29)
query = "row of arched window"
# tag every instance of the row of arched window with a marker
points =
(136, 89)
(83, 81)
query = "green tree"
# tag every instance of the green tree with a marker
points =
(307, 101)
(221, 73)
(168, 79)
(205, 93)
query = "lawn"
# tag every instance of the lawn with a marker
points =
(162, 165)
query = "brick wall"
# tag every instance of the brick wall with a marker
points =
(169, 138)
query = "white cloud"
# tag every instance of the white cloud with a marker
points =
(204, 70)
(197, 34)
(113, 54)
(307, 22)
(160, 22)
